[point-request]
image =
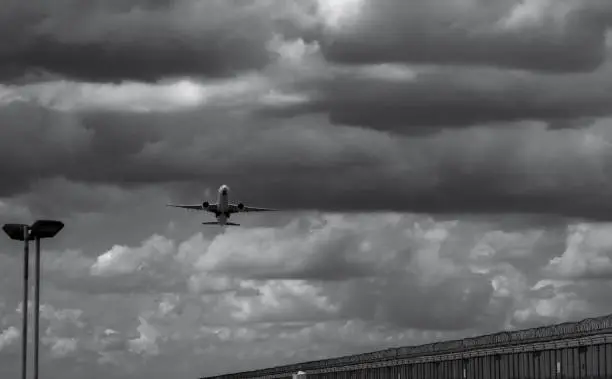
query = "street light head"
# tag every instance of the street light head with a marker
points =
(46, 228)
(15, 231)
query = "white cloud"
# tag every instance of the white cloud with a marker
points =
(387, 71)
(556, 304)
(62, 347)
(8, 337)
(587, 253)
(123, 260)
(145, 344)
(535, 13)
(264, 285)
(339, 14)
(137, 97)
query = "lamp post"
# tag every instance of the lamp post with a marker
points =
(39, 230)
(21, 232)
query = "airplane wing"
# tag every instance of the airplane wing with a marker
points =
(236, 208)
(197, 207)
(255, 209)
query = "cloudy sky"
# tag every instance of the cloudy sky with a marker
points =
(445, 167)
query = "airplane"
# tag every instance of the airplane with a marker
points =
(222, 209)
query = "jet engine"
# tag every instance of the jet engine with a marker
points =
(205, 205)
(240, 206)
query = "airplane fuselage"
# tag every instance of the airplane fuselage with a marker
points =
(223, 204)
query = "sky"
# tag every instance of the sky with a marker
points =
(444, 168)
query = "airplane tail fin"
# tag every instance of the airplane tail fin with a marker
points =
(217, 223)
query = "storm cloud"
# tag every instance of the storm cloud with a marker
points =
(433, 99)
(307, 164)
(135, 40)
(548, 36)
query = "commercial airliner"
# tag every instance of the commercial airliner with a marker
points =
(223, 209)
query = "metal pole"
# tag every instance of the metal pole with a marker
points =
(37, 306)
(24, 306)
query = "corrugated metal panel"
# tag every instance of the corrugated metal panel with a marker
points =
(565, 361)
(589, 356)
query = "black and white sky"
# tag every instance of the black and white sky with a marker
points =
(445, 167)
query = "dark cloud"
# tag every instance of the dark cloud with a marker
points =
(554, 36)
(39, 142)
(443, 98)
(304, 164)
(135, 40)
(152, 39)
